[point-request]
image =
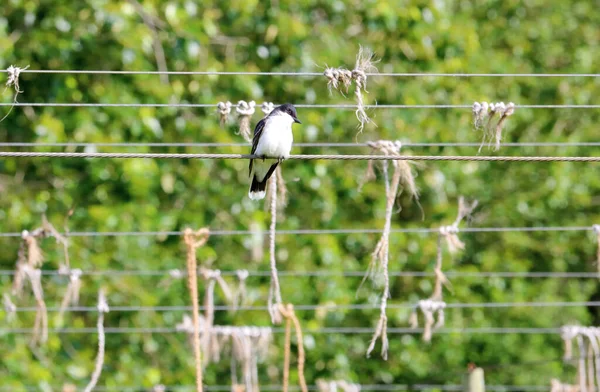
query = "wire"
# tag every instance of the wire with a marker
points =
(128, 155)
(325, 330)
(215, 233)
(317, 274)
(311, 106)
(274, 388)
(325, 306)
(343, 145)
(281, 73)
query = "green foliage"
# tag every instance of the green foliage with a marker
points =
(147, 195)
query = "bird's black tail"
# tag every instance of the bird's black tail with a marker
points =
(258, 188)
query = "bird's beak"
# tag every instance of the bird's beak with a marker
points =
(296, 120)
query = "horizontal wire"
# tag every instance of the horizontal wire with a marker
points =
(273, 387)
(351, 145)
(309, 274)
(130, 155)
(319, 231)
(312, 106)
(324, 330)
(301, 307)
(282, 73)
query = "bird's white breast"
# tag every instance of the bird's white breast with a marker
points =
(276, 138)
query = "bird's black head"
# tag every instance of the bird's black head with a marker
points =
(289, 109)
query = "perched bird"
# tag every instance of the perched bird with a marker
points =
(272, 141)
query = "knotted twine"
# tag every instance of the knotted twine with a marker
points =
(102, 309)
(267, 107)
(240, 294)
(587, 377)
(13, 80)
(290, 317)
(211, 277)
(435, 303)
(194, 240)
(73, 289)
(487, 111)
(248, 345)
(223, 108)
(338, 77)
(274, 301)
(380, 256)
(245, 110)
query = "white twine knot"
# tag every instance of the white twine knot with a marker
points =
(223, 108)
(176, 274)
(510, 109)
(75, 274)
(210, 274)
(430, 305)
(13, 77)
(360, 78)
(596, 229)
(483, 115)
(388, 147)
(240, 293)
(186, 325)
(213, 276)
(500, 108)
(24, 234)
(332, 78)
(267, 107)
(244, 108)
(449, 230)
(242, 274)
(567, 334)
(337, 77)
(102, 303)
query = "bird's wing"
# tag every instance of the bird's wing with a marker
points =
(257, 132)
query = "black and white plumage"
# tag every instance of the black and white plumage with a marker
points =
(272, 141)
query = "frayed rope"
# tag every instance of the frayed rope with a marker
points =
(194, 240)
(342, 77)
(290, 317)
(245, 110)
(274, 300)
(13, 80)
(224, 109)
(487, 111)
(102, 309)
(380, 256)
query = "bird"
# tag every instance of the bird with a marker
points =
(272, 142)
